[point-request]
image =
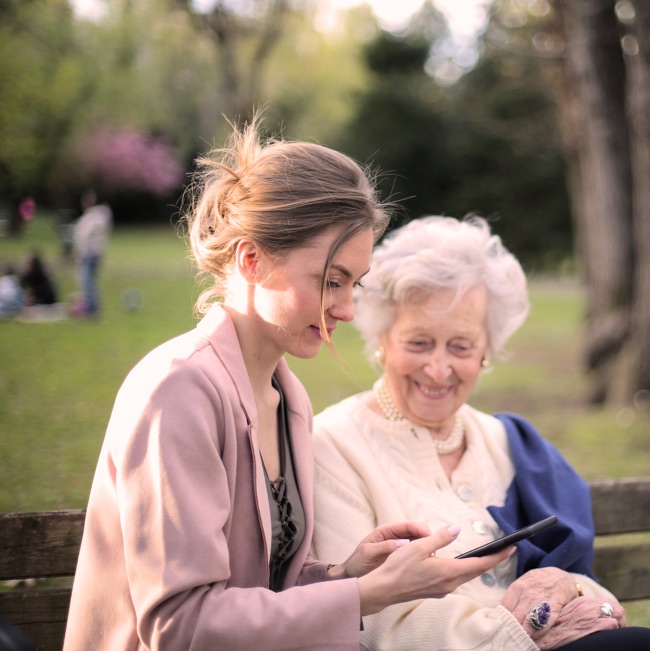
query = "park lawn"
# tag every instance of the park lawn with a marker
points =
(58, 380)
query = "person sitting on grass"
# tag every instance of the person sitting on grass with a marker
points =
(11, 293)
(37, 284)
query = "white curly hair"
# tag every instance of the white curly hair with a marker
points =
(435, 252)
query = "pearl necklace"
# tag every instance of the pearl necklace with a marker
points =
(393, 414)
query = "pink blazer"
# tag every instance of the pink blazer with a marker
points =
(176, 543)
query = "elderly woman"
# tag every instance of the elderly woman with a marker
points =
(442, 298)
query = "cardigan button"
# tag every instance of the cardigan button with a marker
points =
(488, 580)
(480, 527)
(465, 492)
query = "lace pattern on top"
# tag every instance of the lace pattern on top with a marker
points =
(286, 508)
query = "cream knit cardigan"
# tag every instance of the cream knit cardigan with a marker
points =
(371, 471)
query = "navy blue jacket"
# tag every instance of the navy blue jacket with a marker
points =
(545, 484)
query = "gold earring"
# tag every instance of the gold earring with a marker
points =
(380, 356)
(485, 362)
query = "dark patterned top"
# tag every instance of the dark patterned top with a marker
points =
(287, 514)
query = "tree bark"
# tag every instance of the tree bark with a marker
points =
(592, 105)
(638, 63)
(241, 80)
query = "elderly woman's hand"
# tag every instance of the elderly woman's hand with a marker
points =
(571, 616)
(578, 618)
(548, 584)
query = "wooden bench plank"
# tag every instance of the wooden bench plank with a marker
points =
(624, 570)
(39, 614)
(24, 607)
(40, 544)
(621, 506)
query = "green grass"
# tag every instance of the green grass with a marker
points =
(58, 380)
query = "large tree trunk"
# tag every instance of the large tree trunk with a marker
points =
(591, 101)
(638, 60)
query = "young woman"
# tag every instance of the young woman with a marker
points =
(200, 515)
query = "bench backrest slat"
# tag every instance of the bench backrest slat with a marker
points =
(621, 506)
(625, 573)
(39, 614)
(41, 544)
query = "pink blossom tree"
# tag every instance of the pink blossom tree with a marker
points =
(124, 161)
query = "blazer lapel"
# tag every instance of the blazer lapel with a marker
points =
(218, 328)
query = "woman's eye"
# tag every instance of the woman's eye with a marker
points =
(333, 284)
(358, 284)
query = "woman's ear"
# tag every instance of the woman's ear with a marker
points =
(247, 258)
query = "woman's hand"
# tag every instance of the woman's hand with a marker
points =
(549, 584)
(578, 618)
(375, 548)
(412, 570)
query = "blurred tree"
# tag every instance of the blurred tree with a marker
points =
(138, 173)
(145, 77)
(41, 82)
(124, 160)
(602, 82)
(315, 72)
(245, 35)
(399, 125)
(637, 48)
(506, 151)
(151, 67)
(484, 144)
(131, 70)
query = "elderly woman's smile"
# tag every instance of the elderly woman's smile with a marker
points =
(433, 392)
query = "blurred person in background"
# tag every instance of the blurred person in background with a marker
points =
(440, 302)
(27, 209)
(37, 284)
(90, 238)
(11, 293)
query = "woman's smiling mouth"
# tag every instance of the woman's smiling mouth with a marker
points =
(433, 392)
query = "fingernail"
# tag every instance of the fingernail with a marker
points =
(402, 541)
(453, 530)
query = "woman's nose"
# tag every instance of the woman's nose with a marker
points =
(438, 367)
(343, 310)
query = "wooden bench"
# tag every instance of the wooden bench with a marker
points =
(46, 544)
